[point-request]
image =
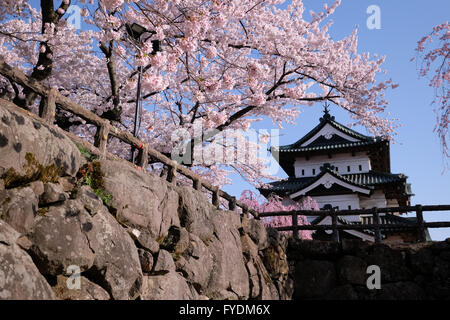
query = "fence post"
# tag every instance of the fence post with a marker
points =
(197, 184)
(101, 137)
(215, 197)
(376, 220)
(49, 106)
(232, 204)
(335, 235)
(295, 224)
(244, 210)
(420, 227)
(172, 174)
(142, 160)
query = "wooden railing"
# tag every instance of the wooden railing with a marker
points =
(419, 225)
(53, 100)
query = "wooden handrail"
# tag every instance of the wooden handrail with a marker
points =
(445, 224)
(354, 212)
(105, 129)
(377, 226)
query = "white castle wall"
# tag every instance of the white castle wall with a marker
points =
(345, 162)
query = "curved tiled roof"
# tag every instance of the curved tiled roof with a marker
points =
(366, 179)
(372, 178)
(290, 148)
(327, 119)
(338, 140)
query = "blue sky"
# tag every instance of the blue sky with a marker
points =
(416, 151)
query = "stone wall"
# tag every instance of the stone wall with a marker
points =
(327, 270)
(131, 234)
(135, 236)
(151, 240)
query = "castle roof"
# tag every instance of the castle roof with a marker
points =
(334, 142)
(367, 181)
(331, 137)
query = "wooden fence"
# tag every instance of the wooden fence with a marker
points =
(419, 225)
(53, 100)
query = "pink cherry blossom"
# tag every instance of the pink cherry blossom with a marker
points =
(438, 57)
(153, 82)
(222, 64)
(112, 4)
(159, 59)
(211, 52)
(275, 203)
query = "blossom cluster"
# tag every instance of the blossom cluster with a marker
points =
(277, 204)
(227, 64)
(439, 58)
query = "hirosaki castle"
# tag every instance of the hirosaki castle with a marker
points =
(341, 168)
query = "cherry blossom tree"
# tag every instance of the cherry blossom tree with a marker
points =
(223, 65)
(435, 62)
(275, 203)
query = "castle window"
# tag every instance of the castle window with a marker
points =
(303, 172)
(314, 171)
(337, 169)
(348, 168)
(349, 207)
(360, 167)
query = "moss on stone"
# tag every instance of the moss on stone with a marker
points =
(271, 257)
(33, 171)
(42, 211)
(160, 239)
(91, 174)
(5, 201)
(85, 153)
(176, 255)
(104, 195)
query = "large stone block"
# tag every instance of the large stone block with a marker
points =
(313, 249)
(170, 286)
(29, 148)
(352, 270)
(18, 207)
(116, 265)
(313, 279)
(142, 200)
(228, 273)
(392, 263)
(64, 236)
(196, 263)
(195, 213)
(256, 230)
(86, 291)
(19, 277)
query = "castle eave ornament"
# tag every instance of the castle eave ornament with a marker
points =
(328, 184)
